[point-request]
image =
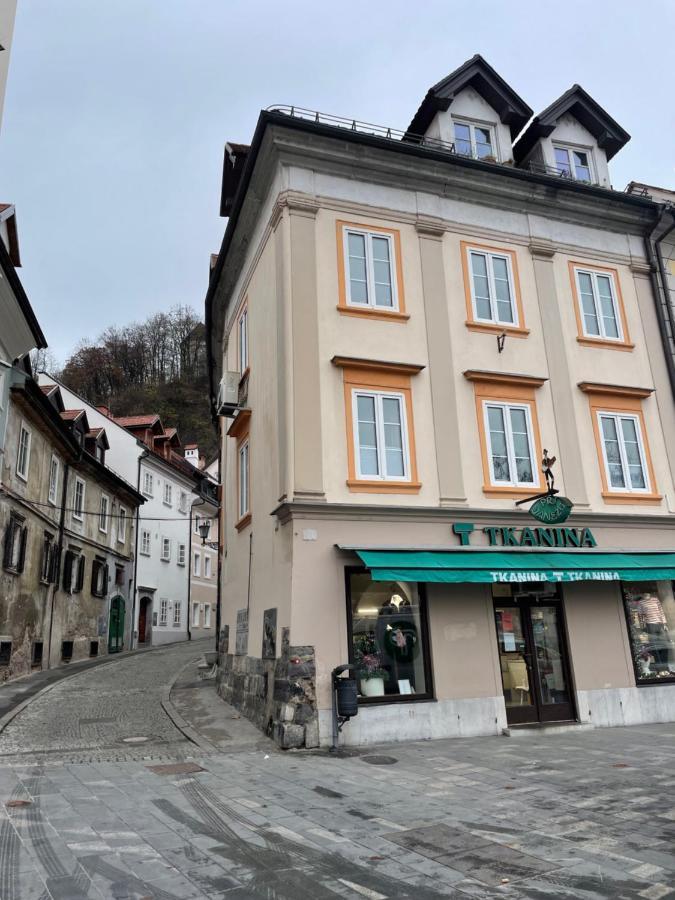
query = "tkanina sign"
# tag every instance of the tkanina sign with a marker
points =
(506, 536)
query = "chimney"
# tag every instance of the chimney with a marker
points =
(192, 455)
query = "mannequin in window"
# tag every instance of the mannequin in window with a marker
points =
(656, 626)
(396, 634)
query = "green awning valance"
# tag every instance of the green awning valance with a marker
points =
(497, 566)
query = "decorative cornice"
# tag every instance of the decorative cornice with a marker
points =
(240, 425)
(638, 267)
(542, 249)
(614, 390)
(352, 362)
(534, 381)
(352, 512)
(300, 204)
(430, 227)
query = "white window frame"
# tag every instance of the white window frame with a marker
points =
(54, 467)
(146, 542)
(183, 502)
(370, 270)
(104, 516)
(196, 564)
(207, 567)
(180, 558)
(163, 611)
(23, 450)
(379, 396)
(148, 485)
(177, 610)
(242, 339)
(472, 124)
(207, 615)
(195, 618)
(506, 408)
(244, 486)
(594, 273)
(569, 149)
(196, 521)
(489, 256)
(78, 511)
(122, 525)
(166, 549)
(617, 416)
(168, 494)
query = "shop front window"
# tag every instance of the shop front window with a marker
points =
(650, 610)
(388, 636)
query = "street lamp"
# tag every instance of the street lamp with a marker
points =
(204, 528)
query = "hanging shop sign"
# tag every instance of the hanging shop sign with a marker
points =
(506, 536)
(550, 507)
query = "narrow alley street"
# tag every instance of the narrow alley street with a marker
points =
(104, 797)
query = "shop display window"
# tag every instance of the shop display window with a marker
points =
(650, 611)
(388, 638)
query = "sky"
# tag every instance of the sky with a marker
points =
(117, 111)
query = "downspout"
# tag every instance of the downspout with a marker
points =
(665, 318)
(141, 457)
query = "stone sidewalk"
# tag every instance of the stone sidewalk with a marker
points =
(588, 815)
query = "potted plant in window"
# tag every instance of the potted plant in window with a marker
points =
(369, 668)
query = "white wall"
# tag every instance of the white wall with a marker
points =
(469, 105)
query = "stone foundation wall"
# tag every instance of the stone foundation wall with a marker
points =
(278, 695)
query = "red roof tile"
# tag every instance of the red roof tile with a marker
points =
(70, 415)
(133, 421)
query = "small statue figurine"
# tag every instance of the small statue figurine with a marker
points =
(547, 462)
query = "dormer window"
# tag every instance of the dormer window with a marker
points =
(573, 163)
(474, 140)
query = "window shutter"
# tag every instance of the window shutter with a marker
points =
(80, 574)
(55, 564)
(8, 545)
(95, 566)
(68, 570)
(104, 586)
(22, 549)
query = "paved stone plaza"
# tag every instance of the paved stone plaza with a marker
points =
(86, 812)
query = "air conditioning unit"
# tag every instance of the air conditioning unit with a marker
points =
(228, 394)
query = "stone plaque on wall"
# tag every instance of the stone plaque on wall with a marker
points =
(241, 640)
(269, 639)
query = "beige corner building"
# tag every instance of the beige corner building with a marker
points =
(401, 325)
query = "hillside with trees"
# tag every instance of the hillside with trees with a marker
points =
(158, 365)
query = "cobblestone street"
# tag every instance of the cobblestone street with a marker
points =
(104, 797)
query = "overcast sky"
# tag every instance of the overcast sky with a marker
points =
(117, 110)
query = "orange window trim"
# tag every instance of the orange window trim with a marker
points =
(388, 378)
(474, 324)
(584, 339)
(397, 315)
(506, 389)
(629, 401)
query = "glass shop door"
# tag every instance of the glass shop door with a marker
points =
(533, 658)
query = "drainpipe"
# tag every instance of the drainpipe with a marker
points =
(62, 531)
(141, 457)
(665, 316)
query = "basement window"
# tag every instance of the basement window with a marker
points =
(66, 651)
(5, 652)
(38, 647)
(93, 648)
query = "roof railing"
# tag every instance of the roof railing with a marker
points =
(540, 168)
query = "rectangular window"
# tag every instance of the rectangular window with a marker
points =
(598, 306)
(195, 527)
(104, 514)
(181, 555)
(163, 611)
(196, 564)
(473, 140)
(78, 499)
(53, 480)
(242, 340)
(168, 494)
(380, 436)
(492, 289)
(166, 549)
(207, 615)
(47, 564)
(5, 652)
(38, 647)
(99, 578)
(145, 542)
(388, 638)
(147, 484)
(23, 454)
(207, 567)
(243, 474)
(122, 525)
(195, 615)
(14, 545)
(66, 651)
(650, 612)
(183, 502)
(510, 446)
(573, 163)
(371, 279)
(177, 607)
(623, 452)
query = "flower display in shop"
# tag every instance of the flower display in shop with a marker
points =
(368, 659)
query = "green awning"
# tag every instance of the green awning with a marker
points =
(496, 566)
